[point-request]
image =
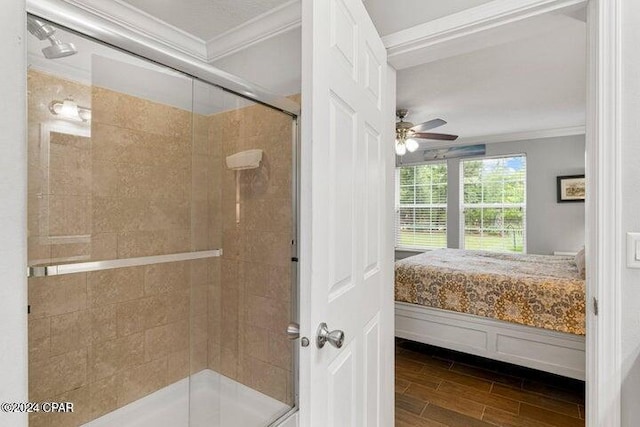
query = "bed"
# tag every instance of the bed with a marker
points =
(523, 309)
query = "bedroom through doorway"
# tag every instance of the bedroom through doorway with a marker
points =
(490, 276)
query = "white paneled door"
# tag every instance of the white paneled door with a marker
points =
(346, 218)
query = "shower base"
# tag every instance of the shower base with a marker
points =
(216, 401)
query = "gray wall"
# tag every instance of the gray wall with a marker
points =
(13, 227)
(551, 226)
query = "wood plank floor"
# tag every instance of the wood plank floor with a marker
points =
(438, 387)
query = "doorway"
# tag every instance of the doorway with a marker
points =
(602, 148)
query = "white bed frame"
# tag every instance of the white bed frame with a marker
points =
(556, 352)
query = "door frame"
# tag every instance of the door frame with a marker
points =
(603, 235)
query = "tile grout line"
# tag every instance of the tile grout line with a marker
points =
(424, 409)
(406, 388)
(542, 423)
(483, 379)
(542, 395)
(537, 406)
(537, 393)
(550, 410)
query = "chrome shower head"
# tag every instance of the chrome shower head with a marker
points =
(39, 28)
(44, 31)
(59, 49)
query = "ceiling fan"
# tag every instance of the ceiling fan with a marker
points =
(407, 133)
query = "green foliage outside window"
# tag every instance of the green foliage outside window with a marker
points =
(493, 205)
(422, 206)
(493, 193)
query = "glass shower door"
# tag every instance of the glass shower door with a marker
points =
(116, 243)
(139, 176)
(249, 379)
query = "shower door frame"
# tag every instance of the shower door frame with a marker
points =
(105, 31)
(111, 32)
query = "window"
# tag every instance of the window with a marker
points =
(494, 203)
(421, 206)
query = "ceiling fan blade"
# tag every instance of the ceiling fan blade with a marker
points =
(436, 136)
(431, 124)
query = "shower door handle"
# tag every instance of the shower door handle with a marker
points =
(335, 338)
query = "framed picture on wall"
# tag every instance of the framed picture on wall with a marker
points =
(571, 188)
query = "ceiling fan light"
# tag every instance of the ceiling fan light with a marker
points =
(401, 149)
(411, 144)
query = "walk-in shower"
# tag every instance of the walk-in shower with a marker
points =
(161, 280)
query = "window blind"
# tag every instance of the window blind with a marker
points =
(421, 206)
(493, 204)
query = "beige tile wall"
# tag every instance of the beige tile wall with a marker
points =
(139, 185)
(59, 192)
(247, 340)
(104, 339)
(153, 181)
(142, 153)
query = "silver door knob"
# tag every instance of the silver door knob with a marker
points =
(335, 338)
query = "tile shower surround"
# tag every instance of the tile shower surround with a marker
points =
(152, 180)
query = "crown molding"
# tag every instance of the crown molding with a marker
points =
(272, 23)
(523, 136)
(125, 15)
(417, 44)
(509, 137)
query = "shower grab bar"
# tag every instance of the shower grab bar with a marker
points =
(81, 267)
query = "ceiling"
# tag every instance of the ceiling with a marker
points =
(205, 19)
(523, 83)
(392, 16)
(531, 84)
(208, 19)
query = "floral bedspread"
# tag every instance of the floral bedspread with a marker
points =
(535, 290)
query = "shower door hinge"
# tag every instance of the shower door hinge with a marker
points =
(595, 306)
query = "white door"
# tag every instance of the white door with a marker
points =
(346, 258)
